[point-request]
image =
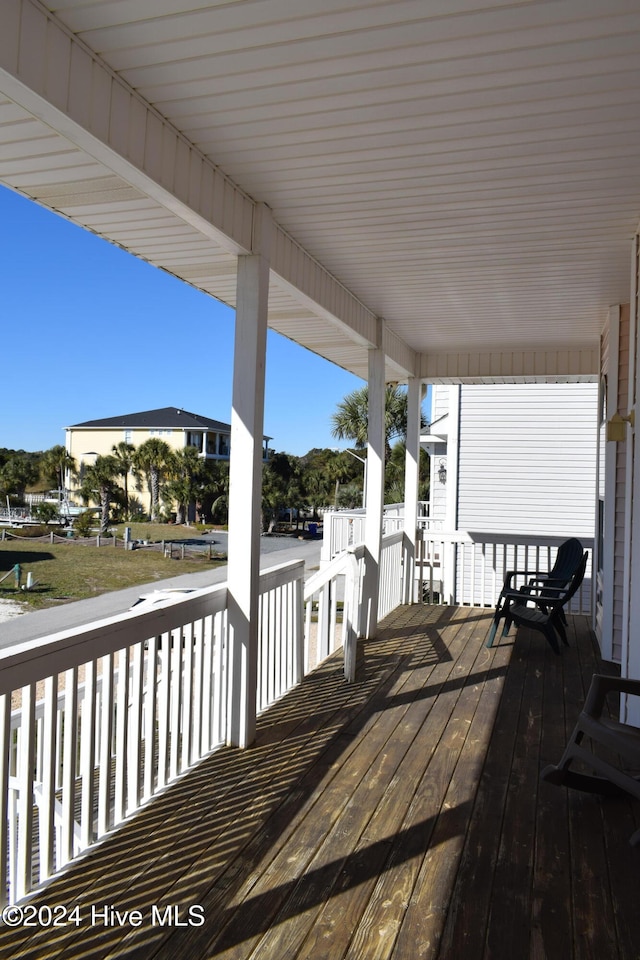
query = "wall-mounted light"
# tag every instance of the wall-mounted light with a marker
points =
(442, 471)
(617, 426)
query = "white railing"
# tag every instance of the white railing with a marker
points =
(332, 600)
(343, 529)
(390, 591)
(333, 597)
(14, 513)
(281, 639)
(468, 569)
(426, 523)
(99, 719)
(94, 721)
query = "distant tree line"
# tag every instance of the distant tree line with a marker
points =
(180, 482)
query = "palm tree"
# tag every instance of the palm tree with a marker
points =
(153, 458)
(187, 473)
(317, 486)
(55, 464)
(214, 493)
(351, 419)
(341, 470)
(124, 453)
(100, 483)
(280, 487)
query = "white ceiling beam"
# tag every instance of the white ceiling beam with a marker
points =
(58, 79)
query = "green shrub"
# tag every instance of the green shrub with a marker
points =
(83, 524)
(46, 511)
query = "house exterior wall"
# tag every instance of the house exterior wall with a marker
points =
(444, 422)
(91, 440)
(81, 442)
(438, 489)
(440, 402)
(619, 493)
(527, 459)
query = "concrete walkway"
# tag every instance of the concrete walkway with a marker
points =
(41, 623)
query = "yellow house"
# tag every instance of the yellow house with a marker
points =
(178, 428)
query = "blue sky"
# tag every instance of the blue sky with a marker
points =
(90, 332)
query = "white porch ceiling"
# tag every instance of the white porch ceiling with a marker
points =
(469, 172)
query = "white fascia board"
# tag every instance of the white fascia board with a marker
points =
(307, 282)
(560, 365)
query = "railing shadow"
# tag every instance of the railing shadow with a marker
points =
(200, 841)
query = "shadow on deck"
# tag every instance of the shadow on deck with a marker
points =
(401, 817)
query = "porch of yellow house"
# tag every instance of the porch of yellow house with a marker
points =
(400, 817)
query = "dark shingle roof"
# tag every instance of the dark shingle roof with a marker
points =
(165, 418)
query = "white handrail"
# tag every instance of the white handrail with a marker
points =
(111, 712)
(34, 660)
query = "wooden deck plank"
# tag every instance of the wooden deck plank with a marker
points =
(379, 665)
(428, 778)
(443, 803)
(334, 844)
(398, 817)
(510, 915)
(469, 910)
(594, 932)
(551, 934)
(341, 913)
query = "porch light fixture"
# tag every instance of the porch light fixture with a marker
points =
(617, 426)
(442, 471)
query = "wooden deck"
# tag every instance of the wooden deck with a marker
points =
(401, 817)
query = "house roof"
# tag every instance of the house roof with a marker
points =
(164, 418)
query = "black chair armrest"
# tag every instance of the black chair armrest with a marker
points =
(602, 685)
(510, 574)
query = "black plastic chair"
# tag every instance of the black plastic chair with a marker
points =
(544, 610)
(567, 560)
(616, 741)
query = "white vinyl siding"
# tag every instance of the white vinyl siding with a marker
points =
(527, 459)
(621, 469)
(439, 405)
(438, 489)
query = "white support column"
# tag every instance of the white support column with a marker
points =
(411, 470)
(606, 563)
(630, 666)
(374, 494)
(245, 482)
(449, 561)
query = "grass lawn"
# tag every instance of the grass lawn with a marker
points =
(65, 571)
(156, 532)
